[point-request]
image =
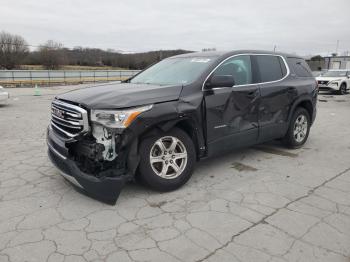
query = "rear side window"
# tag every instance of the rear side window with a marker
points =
(271, 68)
(299, 67)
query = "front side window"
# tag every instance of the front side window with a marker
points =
(271, 68)
(171, 71)
(239, 67)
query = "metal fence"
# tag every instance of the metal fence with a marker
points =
(56, 77)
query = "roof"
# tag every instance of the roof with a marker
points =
(218, 54)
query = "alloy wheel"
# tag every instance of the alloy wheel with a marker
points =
(300, 128)
(168, 157)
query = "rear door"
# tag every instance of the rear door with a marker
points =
(277, 95)
(232, 111)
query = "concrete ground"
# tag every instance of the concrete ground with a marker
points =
(264, 203)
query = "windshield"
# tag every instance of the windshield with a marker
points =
(173, 71)
(334, 73)
(317, 73)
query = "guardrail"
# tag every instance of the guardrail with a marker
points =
(14, 78)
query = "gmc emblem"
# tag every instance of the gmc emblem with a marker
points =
(57, 112)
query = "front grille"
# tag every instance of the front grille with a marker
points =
(67, 119)
(321, 82)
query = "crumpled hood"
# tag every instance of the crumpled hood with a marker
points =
(121, 95)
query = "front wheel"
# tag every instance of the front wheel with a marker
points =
(166, 160)
(299, 128)
(342, 89)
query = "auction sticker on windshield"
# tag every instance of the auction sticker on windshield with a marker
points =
(200, 60)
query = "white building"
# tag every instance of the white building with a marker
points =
(337, 62)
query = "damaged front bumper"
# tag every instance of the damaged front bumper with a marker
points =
(103, 188)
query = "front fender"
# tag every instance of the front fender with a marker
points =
(183, 113)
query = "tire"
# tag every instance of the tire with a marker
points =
(298, 130)
(342, 89)
(161, 174)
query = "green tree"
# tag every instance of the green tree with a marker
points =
(317, 58)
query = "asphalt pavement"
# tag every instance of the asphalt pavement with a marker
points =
(265, 203)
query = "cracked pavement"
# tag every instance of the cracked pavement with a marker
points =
(264, 203)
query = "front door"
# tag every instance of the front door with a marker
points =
(232, 111)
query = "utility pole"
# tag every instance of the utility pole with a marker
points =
(336, 51)
(274, 48)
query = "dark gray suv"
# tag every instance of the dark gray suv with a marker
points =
(156, 125)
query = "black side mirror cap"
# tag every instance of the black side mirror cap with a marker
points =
(220, 81)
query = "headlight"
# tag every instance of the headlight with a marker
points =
(117, 118)
(333, 83)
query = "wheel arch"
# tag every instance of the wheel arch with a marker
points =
(186, 124)
(302, 102)
(189, 126)
(308, 106)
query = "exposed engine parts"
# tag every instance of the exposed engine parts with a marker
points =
(95, 153)
(106, 138)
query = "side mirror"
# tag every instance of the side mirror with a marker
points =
(220, 81)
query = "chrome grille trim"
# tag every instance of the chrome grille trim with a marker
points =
(68, 119)
(67, 125)
(72, 123)
(61, 130)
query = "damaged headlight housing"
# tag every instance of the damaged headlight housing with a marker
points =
(117, 118)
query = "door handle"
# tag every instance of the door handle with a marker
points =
(252, 94)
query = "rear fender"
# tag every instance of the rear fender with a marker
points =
(297, 103)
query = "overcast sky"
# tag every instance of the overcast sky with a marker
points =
(296, 26)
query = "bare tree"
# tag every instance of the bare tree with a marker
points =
(52, 55)
(94, 57)
(13, 49)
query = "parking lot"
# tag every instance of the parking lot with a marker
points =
(265, 203)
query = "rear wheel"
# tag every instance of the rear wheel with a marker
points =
(342, 89)
(166, 160)
(299, 128)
